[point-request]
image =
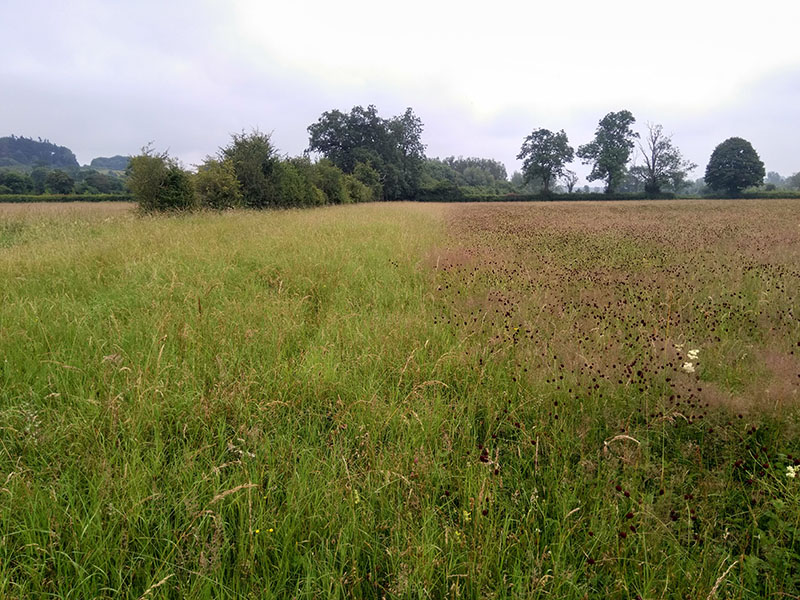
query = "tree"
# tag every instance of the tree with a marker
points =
(610, 150)
(92, 182)
(664, 166)
(393, 147)
(775, 180)
(38, 177)
(570, 178)
(12, 182)
(793, 181)
(545, 155)
(159, 183)
(59, 182)
(733, 166)
(254, 161)
(216, 184)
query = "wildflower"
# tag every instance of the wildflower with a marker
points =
(257, 531)
(688, 367)
(693, 354)
(791, 472)
(467, 516)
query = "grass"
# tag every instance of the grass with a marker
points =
(400, 400)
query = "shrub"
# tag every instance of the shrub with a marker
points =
(254, 161)
(23, 198)
(158, 183)
(317, 196)
(356, 190)
(366, 174)
(330, 179)
(217, 186)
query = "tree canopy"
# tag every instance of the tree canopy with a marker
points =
(733, 166)
(610, 150)
(545, 156)
(393, 147)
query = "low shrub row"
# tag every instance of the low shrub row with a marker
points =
(452, 194)
(23, 198)
(247, 173)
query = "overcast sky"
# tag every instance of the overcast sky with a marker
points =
(106, 77)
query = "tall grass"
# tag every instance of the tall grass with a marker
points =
(399, 400)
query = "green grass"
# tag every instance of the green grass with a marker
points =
(400, 400)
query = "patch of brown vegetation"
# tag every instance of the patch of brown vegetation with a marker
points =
(593, 298)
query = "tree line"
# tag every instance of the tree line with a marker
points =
(359, 156)
(43, 180)
(734, 164)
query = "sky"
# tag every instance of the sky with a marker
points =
(108, 77)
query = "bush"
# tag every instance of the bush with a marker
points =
(254, 161)
(217, 186)
(366, 174)
(317, 196)
(293, 188)
(356, 190)
(158, 183)
(330, 179)
(442, 191)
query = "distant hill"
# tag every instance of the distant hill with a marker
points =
(25, 152)
(114, 163)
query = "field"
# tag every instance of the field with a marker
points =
(560, 400)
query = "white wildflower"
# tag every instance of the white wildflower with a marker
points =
(693, 354)
(688, 367)
(791, 472)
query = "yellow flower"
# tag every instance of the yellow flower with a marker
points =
(467, 516)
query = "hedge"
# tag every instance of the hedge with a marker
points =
(458, 196)
(21, 198)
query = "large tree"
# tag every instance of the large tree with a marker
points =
(664, 166)
(59, 182)
(733, 166)
(610, 150)
(392, 147)
(545, 156)
(12, 182)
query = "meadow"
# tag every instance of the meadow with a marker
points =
(401, 400)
